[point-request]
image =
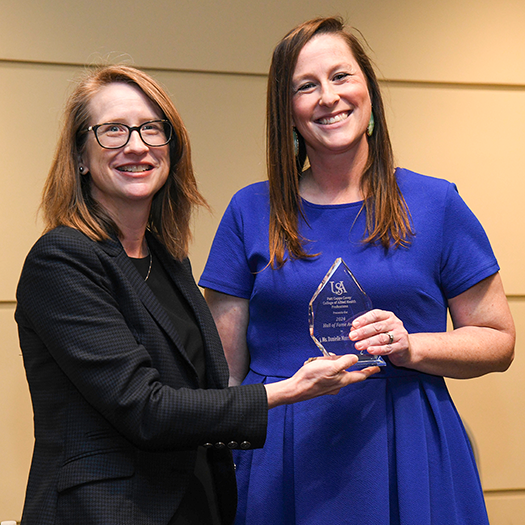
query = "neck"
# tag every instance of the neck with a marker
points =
(134, 242)
(334, 178)
(331, 184)
(132, 222)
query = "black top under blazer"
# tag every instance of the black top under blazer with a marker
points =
(118, 414)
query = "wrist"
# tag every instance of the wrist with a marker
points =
(281, 393)
(408, 357)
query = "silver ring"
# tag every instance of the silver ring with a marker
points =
(390, 339)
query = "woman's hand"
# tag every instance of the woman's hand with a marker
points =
(322, 376)
(380, 332)
(482, 340)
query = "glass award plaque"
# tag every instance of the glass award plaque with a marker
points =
(338, 300)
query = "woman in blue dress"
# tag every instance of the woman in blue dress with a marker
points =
(392, 449)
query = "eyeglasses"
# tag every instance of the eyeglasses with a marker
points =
(114, 135)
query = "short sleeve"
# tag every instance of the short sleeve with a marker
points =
(227, 269)
(467, 257)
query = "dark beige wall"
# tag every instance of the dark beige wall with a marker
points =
(454, 81)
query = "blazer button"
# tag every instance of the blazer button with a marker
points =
(207, 445)
(233, 444)
(245, 445)
(220, 445)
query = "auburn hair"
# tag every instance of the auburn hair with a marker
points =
(387, 215)
(66, 197)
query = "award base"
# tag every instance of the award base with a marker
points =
(368, 360)
(365, 359)
(338, 345)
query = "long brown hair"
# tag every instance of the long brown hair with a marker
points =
(66, 198)
(387, 215)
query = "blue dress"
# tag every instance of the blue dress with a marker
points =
(389, 450)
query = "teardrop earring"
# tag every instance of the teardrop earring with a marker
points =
(371, 125)
(295, 142)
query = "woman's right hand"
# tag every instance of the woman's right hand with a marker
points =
(319, 377)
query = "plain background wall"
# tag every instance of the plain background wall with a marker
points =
(454, 83)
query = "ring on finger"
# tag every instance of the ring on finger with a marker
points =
(390, 338)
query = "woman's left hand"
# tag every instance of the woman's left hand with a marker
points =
(482, 340)
(380, 332)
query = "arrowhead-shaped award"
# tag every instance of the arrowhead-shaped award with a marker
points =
(339, 299)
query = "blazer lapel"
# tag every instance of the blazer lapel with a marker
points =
(180, 273)
(145, 294)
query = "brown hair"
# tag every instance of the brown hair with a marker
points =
(66, 198)
(387, 215)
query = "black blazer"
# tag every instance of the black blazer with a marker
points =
(117, 411)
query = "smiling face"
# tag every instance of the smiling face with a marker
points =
(131, 175)
(331, 104)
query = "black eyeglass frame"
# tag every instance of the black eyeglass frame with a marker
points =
(131, 129)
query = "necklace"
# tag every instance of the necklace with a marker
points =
(149, 269)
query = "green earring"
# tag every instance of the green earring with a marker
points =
(371, 124)
(295, 142)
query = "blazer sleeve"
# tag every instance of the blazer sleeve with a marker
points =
(68, 310)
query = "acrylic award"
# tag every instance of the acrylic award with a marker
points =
(338, 300)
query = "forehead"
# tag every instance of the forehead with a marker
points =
(325, 49)
(122, 102)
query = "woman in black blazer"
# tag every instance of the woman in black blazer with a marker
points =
(134, 422)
